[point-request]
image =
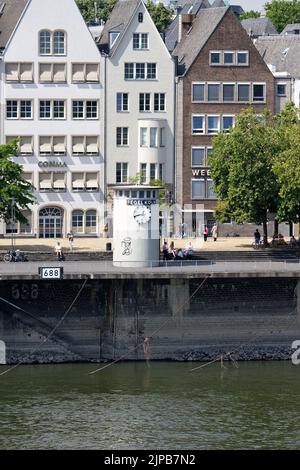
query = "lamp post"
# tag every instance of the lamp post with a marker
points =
(13, 213)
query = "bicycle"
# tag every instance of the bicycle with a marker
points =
(14, 257)
(258, 245)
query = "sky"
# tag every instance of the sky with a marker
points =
(249, 4)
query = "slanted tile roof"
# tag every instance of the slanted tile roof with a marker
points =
(259, 27)
(187, 6)
(117, 22)
(218, 4)
(11, 11)
(290, 28)
(202, 28)
(282, 52)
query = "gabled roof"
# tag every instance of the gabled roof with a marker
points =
(202, 28)
(11, 11)
(117, 22)
(259, 27)
(290, 28)
(282, 52)
(218, 4)
(186, 6)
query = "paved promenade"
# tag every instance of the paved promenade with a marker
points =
(172, 269)
(99, 244)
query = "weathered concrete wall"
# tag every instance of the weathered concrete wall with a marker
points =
(188, 319)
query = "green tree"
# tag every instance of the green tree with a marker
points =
(12, 185)
(283, 12)
(241, 167)
(286, 164)
(161, 15)
(104, 9)
(250, 14)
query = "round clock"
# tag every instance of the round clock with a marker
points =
(142, 214)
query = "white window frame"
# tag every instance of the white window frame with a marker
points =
(217, 130)
(52, 110)
(198, 179)
(225, 116)
(122, 110)
(160, 110)
(143, 94)
(219, 84)
(122, 172)
(204, 92)
(220, 55)
(140, 42)
(244, 64)
(52, 33)
(209, 180)
(122, 136)
(204, 123)
(198, 147)
(285, 87)
(19, 101)
(234, 58)
(146, 77)
(252, 92)
(234, 84)
(85, 117)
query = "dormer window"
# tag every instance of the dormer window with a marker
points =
(141, 17)
(113, 35)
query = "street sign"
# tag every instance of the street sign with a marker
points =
(51, 273)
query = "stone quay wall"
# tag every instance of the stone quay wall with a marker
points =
(185, 319)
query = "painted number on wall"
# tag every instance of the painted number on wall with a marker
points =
(25, 291)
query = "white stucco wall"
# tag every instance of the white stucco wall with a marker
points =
(157, 52)
(24, 47)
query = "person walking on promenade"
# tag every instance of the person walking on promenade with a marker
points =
(165, 251)
(215, 232)
(71, 241)
(205, 233)
(257, 237)
(172, 253)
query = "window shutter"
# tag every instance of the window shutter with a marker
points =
(78, 73)
(45, 72)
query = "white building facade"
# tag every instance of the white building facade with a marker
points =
(52, 83)
(139, 98)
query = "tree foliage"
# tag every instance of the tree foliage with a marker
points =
(161, 14)
(250, 14)
(12, 185)
(283, 12)
(104, 9)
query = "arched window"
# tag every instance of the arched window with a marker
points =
(140, 17)
(91, 221)
(59, 43)
(45, 42)
(77, 221)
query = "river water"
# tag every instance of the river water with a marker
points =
(162, 406)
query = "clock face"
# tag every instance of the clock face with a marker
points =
(142, 214)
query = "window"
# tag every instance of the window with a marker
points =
(229, 57)
(215, 57)
(198, 189)
(210, 192)
(85, 145)
(122, 102)
(139, 71)
(59, 43)
(143, 136)
(243, 92)
(228, 91)
(213, 124)
(213, 92)
(143, 172)
(227, 123)
(91, 221)
(49, 182)
(19, 109)
(52, 109)
(140, 41)
(281, 89)
(160, 171)
(152, 171)
(259, 92)
(26, 227)
(242, 58)
(144, 102)
(198, 92)
(122, 136)
(77, 221)
(59, 183)
(25, 144)
(151, 71)
(162, 137)
(198, 122)
(85, 73)
(45, 42)
(159, 102)
(52, 145)
(78, 182)
(153, 136)
(19, 72)
(208, 153)
(52, 73)
(85, 109)
(198, 156)
(85, 182)
(140, 17)
(121, 172)
(113, 35)
(91, 182)
(52, 43)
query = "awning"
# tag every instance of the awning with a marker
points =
(59, 73)
(26, 148)
(59, 181)
(92, 147)
(78, 73)
(45, 147)
(59, 147)
(11, 71)
(26, 73)
(92, 73)
(78, 147)
(45, 181)
(45, 73)
(92, 183)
